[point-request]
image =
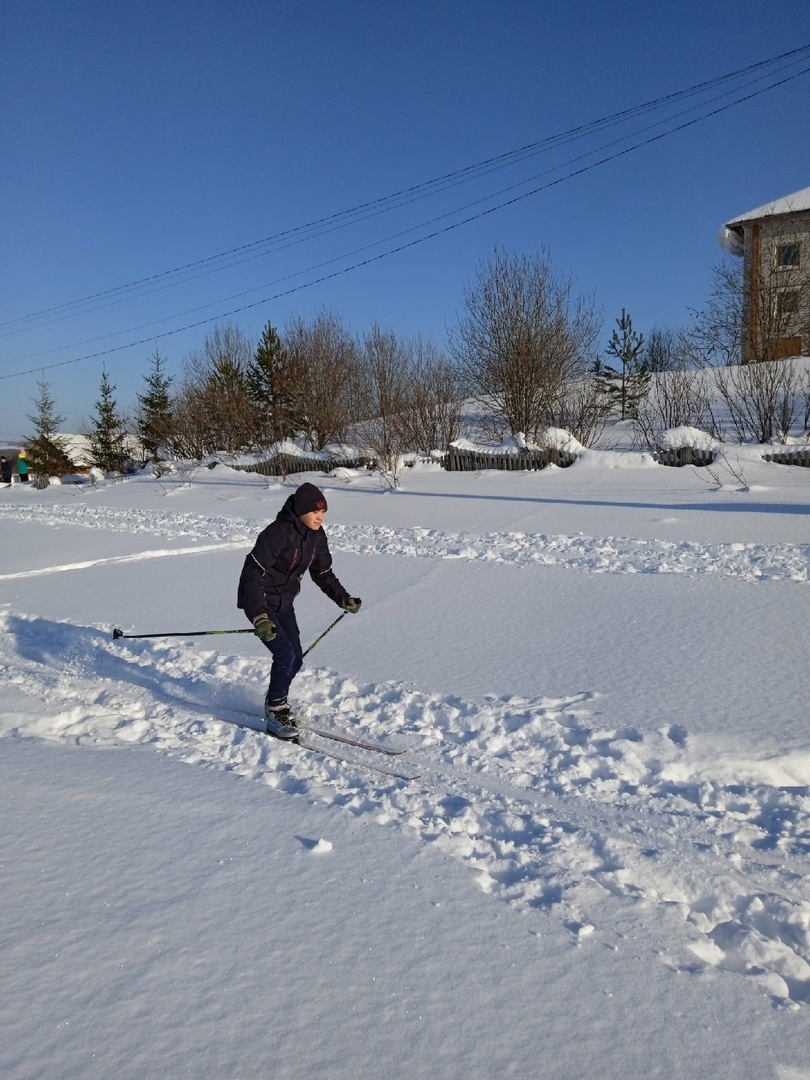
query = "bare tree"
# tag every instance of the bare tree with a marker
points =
(716, 334)
(190, 437)
(322, 365)
(212, 411)
(677, 398)
(436, 391)
(523, 338)
(382, 400)
(763, 400)
(407, 398)
(752, 321)
(667, 349)
(582, 410)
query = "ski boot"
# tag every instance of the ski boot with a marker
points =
(279, 721)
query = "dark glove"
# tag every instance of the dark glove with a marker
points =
(265, 630)
(351, 604)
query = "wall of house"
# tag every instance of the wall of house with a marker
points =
(777, 287)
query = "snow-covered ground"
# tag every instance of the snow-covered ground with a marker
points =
(601, 675)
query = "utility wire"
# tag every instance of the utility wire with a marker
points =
(419, 240)
(422, 225)
(342, 219)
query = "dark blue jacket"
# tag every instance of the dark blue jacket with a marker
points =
(282, 554)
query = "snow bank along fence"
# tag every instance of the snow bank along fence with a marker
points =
(791, 455)
(457, 460)
(684, 455)
(286, 464)
(687, 455)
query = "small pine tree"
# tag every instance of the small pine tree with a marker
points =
(628, 385)
(154, 419)
(48, 458)
(108, 450)
(45, 420)
(47, 454)
(267, 380)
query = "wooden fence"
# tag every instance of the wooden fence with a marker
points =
(684, 455)
(788, 455)
(475, 460)
(287, 464)
(457, 460)
(791, 455)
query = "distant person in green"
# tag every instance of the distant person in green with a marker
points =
(22, 467)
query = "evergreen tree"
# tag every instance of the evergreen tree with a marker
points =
(47, 457)
(47, 454)
(108, 450)
(154, 419)
(628, 385)
(268, 387)
(229, 414)
(45, 420)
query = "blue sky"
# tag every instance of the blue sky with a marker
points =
(140, 138)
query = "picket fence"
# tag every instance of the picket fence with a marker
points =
(684, 455)
(288, 464)
(457, 460)
(790, 455)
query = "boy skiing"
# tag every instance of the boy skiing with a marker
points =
(271, 578)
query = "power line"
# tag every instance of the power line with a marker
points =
(419, 240)
(322, 226)
(404, 232)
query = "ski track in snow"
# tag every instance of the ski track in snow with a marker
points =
(750, 562)
(547, 809)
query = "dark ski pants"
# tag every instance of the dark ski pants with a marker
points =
(287, 656)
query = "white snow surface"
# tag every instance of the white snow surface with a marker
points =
(600, 674)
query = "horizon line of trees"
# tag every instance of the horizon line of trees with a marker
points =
(525, 345)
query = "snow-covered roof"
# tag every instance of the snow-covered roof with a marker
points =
(789, 204)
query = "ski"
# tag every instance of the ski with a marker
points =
(380, 766)
(340, 739)
(350, 740)
(337, 736)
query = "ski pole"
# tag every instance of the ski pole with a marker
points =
(204, 633)
(323, 635)
(180, 633)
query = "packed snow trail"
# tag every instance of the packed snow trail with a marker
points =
(620, 555)
(544, 806)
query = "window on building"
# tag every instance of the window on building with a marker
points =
(787, 303)
(788, 256)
